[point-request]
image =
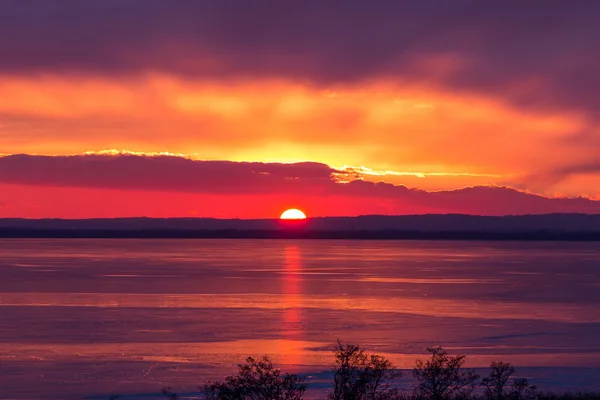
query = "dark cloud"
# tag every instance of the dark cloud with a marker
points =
(131, 172)
(176, 174)
(534, 54)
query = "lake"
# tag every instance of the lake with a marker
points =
(90, 318)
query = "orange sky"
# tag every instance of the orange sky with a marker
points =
(422, 137)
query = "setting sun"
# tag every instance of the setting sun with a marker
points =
(293, 213)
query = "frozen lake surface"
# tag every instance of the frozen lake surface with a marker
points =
(90, 318)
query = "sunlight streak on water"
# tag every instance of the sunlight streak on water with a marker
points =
(292, 305)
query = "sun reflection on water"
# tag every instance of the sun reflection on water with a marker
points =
(292, 305)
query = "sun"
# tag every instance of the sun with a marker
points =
(293, 213)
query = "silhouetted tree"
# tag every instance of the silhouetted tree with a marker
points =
(257, 380)
(169, 394)
(443, 377)
(522, 390)
(496, 382)
(361, 376)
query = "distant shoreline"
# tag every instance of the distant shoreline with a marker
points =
(35, 233)
(546, 227)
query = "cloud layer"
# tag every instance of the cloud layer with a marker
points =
(126, 179)
(534, 55)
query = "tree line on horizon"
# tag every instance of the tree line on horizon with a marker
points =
(358, 375)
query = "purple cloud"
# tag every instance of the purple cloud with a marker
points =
(131, 172)
(176, 174)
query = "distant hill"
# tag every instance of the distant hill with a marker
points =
(448, 226)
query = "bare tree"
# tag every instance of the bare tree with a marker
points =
(522, 390)
(496, 382)
(169, 394)
(257, 380)
(361, 376)
(443, 377)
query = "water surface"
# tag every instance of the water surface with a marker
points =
(90, 318)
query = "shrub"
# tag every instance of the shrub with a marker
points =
(361, 376)
(257, 380)
(443, 377)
